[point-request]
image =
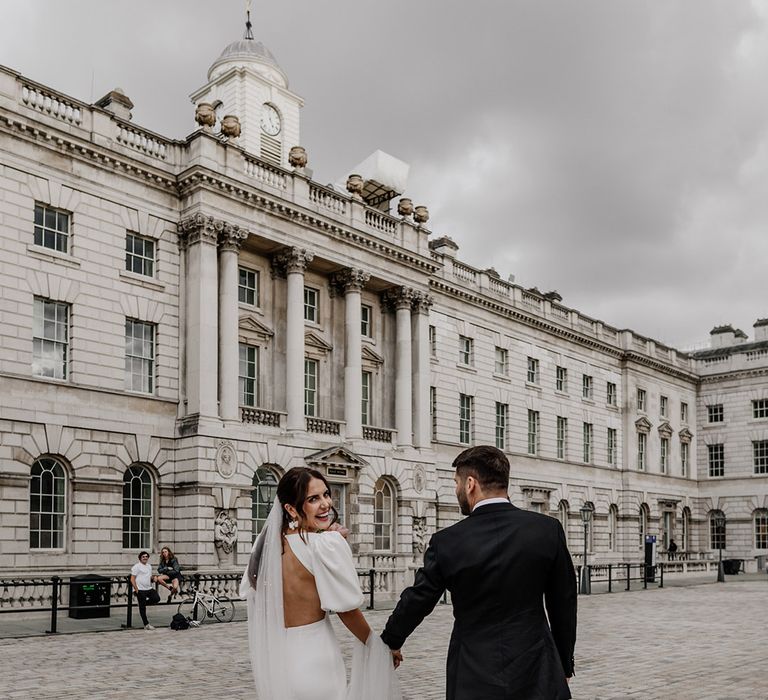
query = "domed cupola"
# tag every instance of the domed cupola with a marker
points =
(246, 81)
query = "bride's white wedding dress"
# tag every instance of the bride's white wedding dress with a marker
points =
(305, 663)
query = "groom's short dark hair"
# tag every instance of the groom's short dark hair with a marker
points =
(487, 464)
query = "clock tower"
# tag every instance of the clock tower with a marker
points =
(246, 81)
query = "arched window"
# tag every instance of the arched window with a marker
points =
(262, 497)
(685, 544)
(47, 504)
(613, 525)
(644, 517)
(562, 516)
(761, 529)
(591, 527)
(716, 529)
(383, 516)
(137, 508)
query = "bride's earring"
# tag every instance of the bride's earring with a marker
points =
(293, 524)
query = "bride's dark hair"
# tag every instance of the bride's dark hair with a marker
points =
(292, 490)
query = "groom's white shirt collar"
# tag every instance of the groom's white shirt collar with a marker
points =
(488, 501)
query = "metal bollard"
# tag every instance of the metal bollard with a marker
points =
(610, 570)
(645, 576)
(129, 607)
(54, 604)
(371, 576)
(628, 574)
(661, 574)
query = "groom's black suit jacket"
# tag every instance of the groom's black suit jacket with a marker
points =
(500, 565)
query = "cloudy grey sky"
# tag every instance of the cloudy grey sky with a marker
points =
(614, 150)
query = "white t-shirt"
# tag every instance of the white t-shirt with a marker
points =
(143, 574)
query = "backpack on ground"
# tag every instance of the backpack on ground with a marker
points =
(179, 622)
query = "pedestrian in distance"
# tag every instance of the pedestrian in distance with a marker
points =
(503, 566)
(169, 572)
(141, 582)
(672, 549)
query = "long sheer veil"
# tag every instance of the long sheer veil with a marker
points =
(262, 587)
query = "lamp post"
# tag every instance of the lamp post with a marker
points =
(586, 517)
(719, 521)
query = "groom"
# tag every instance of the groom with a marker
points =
(502, 565)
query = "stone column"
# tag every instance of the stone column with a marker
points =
(351, 281)
(401, 299)
(422, 430)
(230, 240)
(292, 263)
(199, 235)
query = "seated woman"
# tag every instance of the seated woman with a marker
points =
(169, 572)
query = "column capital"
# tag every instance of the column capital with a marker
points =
(398, 297)
(199, 228)
(293, 259)
(422, 301)
(232, 237)
(347, 280)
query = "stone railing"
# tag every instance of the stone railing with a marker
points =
(51, 104)
(380, 221)
(261, 416)
(531, 300)
(561, 312)
(500, 287)
(327, 199)
(323, 425)
(142, 140)
(464, 273)
(271, 175)
(377, 434)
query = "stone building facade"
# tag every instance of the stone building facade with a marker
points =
(183, 321)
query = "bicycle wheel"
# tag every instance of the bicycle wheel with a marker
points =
(223, 610)
(192, 610)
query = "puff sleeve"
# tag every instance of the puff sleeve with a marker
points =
(335, 573)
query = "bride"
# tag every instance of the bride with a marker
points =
(300, 569)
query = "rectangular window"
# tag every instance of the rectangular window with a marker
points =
(663, 406)
(760, 456)
(533, 371)
(501, 425)
(610, 393)
(139, 356)
(310, 387)
(465, 350)
(641, 399)
(716, 534)
(586, 386)
(683, 412)
(684, 456)
(715, 413)
(50, 339)
(51, 228)
(761, 529)
(642, 442)
(366, 321)
(139, 255)
(432, 341)
(587, 435)
(716, 455)
(310, 305)
(663, 455)
(562, 437)
(501, 365)
(760, 408)
(247, 375)
(533, 432)
(561, 379)
(366, 407)
(612, 446)
(433, 410)
(465, 419)
(248, 286)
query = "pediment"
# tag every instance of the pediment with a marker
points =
(686, 435)
(369, 355)
(643, 424)
(665, 430)
(338, 456)
(250, 326)
(314, 341)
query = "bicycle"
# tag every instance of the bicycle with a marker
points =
(205, 606)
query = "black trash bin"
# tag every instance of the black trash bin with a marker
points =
(731, 566)
(89, 596)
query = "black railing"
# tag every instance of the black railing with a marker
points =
(610, 573)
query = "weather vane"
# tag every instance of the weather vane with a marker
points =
(248, 25)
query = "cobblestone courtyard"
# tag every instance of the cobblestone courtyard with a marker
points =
(706, 641)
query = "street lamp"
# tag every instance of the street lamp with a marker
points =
(586, 517)
(718, 518)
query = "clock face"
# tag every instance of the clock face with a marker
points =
(270, 120)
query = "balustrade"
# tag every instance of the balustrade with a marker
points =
(51, 104)
(268, 174)
(260, 416)
(380, 221)
(462, 272)
(327, 199)
(323, 425)
(142, 141)
(377, 434)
